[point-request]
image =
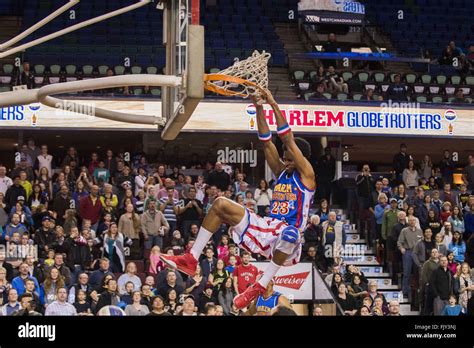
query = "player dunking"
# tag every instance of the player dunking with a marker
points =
(276, 237)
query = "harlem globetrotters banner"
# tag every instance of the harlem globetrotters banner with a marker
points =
(221, 117)
(342, 12)
(296, 282)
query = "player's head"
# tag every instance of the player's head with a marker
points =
(305, 149)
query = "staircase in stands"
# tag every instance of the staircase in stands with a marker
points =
(357, 253)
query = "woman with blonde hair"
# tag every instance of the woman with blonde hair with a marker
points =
(5, 286)
(130, 226)
(466, 285)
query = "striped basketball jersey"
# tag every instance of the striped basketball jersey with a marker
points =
(291, 200)
(265, 305)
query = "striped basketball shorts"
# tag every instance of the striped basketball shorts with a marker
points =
(259, 235)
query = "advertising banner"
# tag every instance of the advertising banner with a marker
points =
(295, 282)
(386, 119)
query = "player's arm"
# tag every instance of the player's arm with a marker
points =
(264, 134)
(252, 310)
(286, 135)
(283, 301)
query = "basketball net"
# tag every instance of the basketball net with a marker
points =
(243, 78)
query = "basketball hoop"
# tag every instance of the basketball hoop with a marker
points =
(243, 78)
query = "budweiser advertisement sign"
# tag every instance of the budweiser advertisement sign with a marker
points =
(292, 281)
(296, 282)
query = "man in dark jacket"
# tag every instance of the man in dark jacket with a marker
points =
(393, 254)
(44, 238)
(13, 192)
(400, 161)
(442, 285)
(397, 91)
(61, 203)
(325, 169)
(218, 177)
(78, 256)
(97, 277)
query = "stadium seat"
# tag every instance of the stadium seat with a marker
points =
(441, 79)
(119, 70)
(421, 98)
(87, 69)
(455, 79)
(342, 96)
(7, 69)
(152, 70)
(136, 69)
(71, 69)
(357, 96)
(437, 99)
(103, 69)
(156, 91)
(55, 69)
(426, 78)
(347, 75)
(327, 95)
(39, 69)
(379, 77)
(410, 78)
(363, 76)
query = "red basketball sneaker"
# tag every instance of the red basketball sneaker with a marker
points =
(251, 293)
(184, 263)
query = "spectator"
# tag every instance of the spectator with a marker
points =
(130, 275)
(397, 91)
(15, 226)
(323, 211)
(219, 177)
(154, 226)
(91, 207)
(389, 219)
(27, 77)
(433, 222)
(346, 300)
(226, 295)
(335, 82)
(110, 296)
(313, 234)
(469, 223)
(459, 97)
(447, 167)
(171, 283)
(331, 46)
(158, 307)
(81, 285)
(406, 242)
(62, 268)
(136, 308)
(208, 264)
(97, 277)
(12, 305)
(451, 308)
(422, 249)
(13, 192)
(325, 169)
(441, 285)
(27, 305)
(5, 181)
(410, 175)
(82, 305)
(130, 227)
(333, 238)
(463, 196)
(263, 197)
(373, 293)
(244, 274)
(114, 243)
(467, 176)
(379, 212)
(190, 213)
(440, 246)
(169, 207)
(458, 247)
(429, 266)
(54, 281)
(457, 51)
(218, 276)
(400, 161)
(446, 56)
(426, 167)
(466, 286)
(61, 307)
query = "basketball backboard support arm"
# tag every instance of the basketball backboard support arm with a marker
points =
(193, 83)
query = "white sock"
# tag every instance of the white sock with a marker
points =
(200, 243)
(269, 273)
